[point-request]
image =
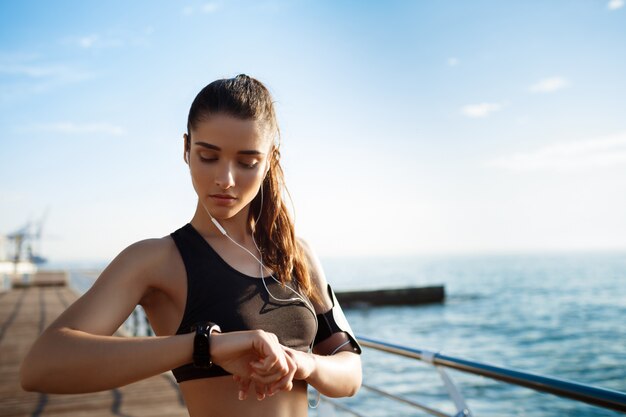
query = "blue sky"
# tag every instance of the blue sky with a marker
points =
(408, 127)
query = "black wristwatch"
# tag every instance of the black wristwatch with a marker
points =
(202, 343)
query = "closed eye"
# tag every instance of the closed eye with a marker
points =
(248, 166)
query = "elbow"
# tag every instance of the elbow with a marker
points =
(34, 372)
(357, 379)
(353, 384)
(345, 391)
(28, 379)
(348, 389)
(352, 393)
(34, 378)
(28, 386)
(354, 388)
(39, 370)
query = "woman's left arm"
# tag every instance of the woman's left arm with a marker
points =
(337, 375)
(334, 369)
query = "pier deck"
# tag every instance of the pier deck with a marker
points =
(24, 313)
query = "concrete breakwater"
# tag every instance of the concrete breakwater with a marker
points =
(392, 296)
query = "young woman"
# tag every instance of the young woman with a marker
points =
(240, 307)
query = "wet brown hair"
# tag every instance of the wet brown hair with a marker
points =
(246, 98)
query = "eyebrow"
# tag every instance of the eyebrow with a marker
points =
(217, 148)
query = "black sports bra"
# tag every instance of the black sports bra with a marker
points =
(235, 301)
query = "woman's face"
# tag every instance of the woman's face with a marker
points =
(228, 159)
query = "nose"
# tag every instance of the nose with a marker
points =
(224, 176)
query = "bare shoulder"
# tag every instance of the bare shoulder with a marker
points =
(132, 274)
(149, 255)
(316, 272)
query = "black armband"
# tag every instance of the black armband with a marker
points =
(334, 321)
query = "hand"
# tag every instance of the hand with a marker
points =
(245, 384)
(262, 381)
(304, 362)
(254, 357)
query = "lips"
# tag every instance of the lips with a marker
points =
(224, 196)
(225, 200)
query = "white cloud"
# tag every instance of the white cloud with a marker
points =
(87, 41)
(549, 85)
(481, 109)
(453, 62)
(594, 153)
(615, 4)
(96, 41)
(75, 128)
(39, 70)
(25, 75)
(111, 39)
(209, 7)
(143, 38)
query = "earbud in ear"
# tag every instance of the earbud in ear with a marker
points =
(187, 147)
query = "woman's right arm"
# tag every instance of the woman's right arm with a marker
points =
(77, 352)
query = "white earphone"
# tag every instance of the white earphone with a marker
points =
(298, 296)
(223, 231)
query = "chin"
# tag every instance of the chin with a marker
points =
(222, 213)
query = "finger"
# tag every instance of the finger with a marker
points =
(286, 382)
(269, 366)
(260, 391)
(268, 348)
(262, 369)
(266, 379)
(272, 360)
(244, 386)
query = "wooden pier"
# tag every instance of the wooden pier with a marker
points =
(25, 311)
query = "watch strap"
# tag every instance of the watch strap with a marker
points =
(202, 343)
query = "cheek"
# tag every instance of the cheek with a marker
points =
(202, 172)
(195, 176)
(251, 180)
(200, 179)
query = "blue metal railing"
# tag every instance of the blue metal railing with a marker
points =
(601, 397)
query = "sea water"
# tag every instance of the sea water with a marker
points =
(559, 315)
